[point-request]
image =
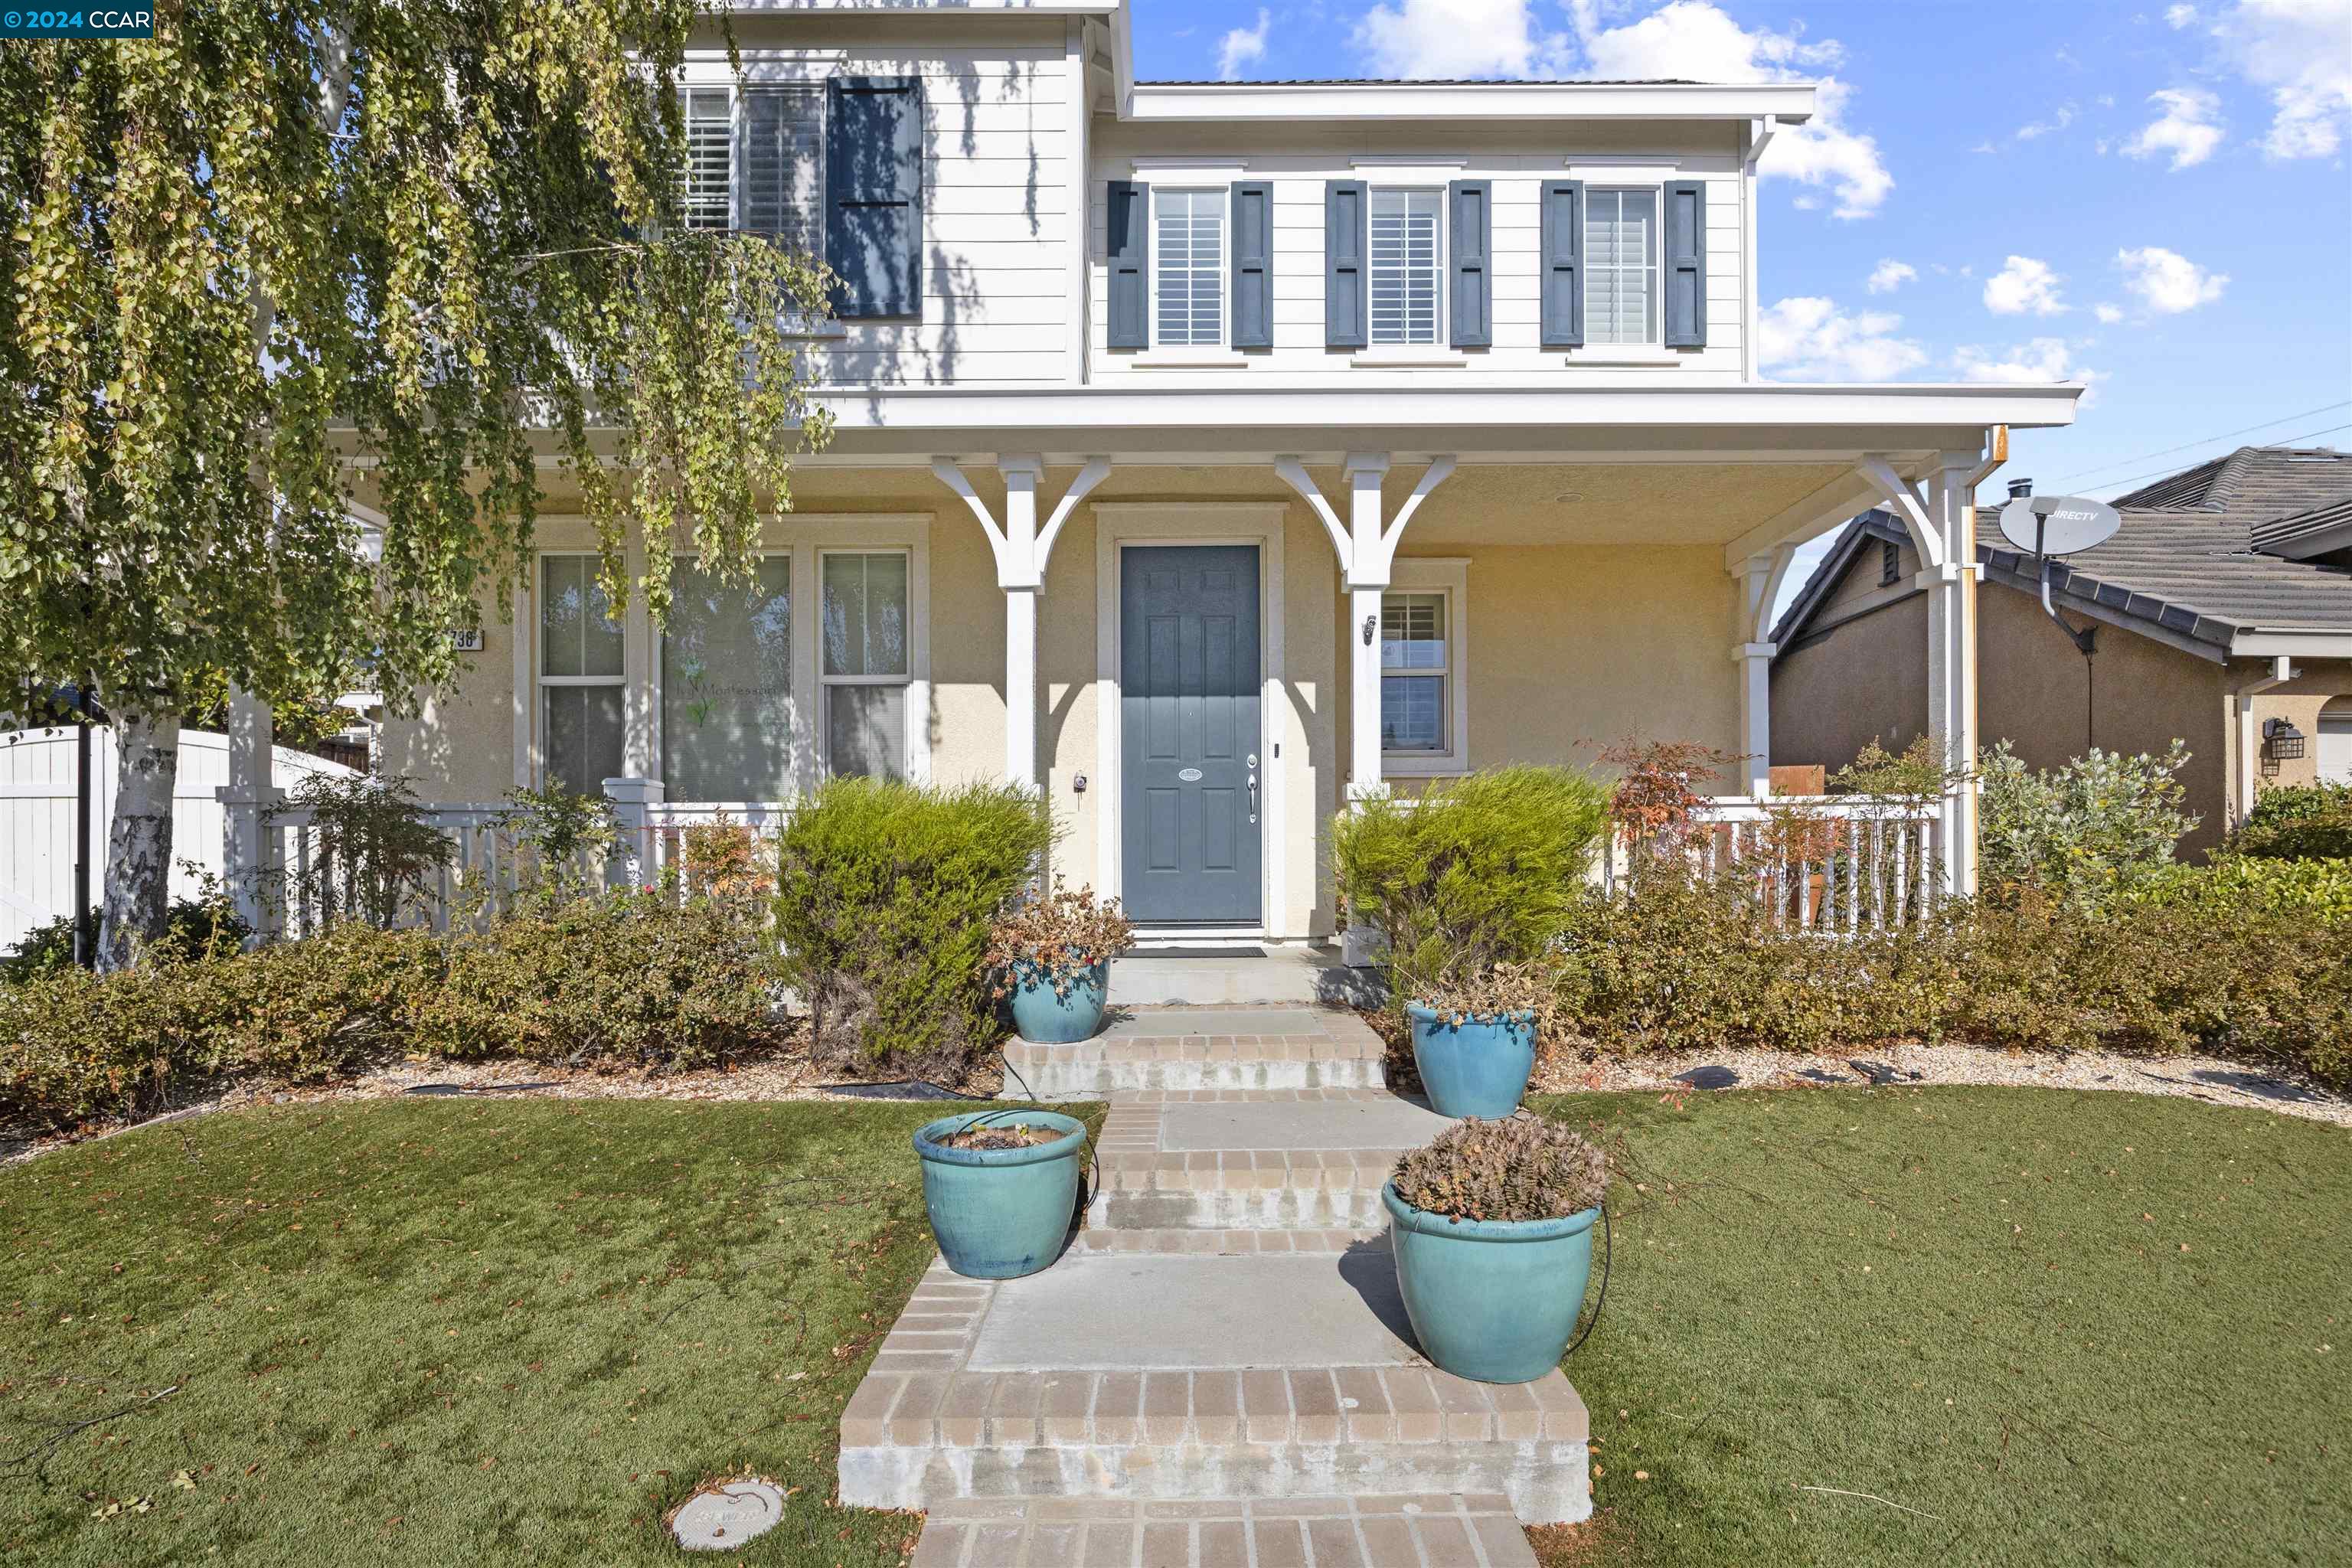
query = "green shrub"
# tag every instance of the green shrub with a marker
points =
(1483, 870)
(885, 897)
(378, 856)
(2317, 890)
(208, 923)
(629, 978)
(2297, 822)
(2083, 832)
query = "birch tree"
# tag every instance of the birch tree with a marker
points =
(288, 243)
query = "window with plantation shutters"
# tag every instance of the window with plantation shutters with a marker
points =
(707, 186)
(1188, 252)
(755, 162)
(1620, 267)
(1406, 272)
(1414, 672)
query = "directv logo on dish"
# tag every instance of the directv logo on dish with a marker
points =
(80, 22)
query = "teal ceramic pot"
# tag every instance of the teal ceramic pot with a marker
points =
(1040, 1015)
(1491, 1301)
(1473, 1068)
(1001, 1213)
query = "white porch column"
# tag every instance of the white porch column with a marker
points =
(246, 851)
(1021, 475)
(1952, 655)
(1368, 579)
(640, 671)
(1760, 578)
(1021, 550)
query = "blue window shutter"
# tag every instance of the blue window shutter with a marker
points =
(1128, 219)
(873, 194)
(1252, 253)
(1471, 238)
(1346, 290)
(1683, 275)
(1563, 264)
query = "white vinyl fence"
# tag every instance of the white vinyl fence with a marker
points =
(37, 788)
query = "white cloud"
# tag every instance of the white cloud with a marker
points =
(2188, 129)
(2108, 314)
(1241, 47)
(2167, 282)
(1695, 41)
(2021, 285)
(1458, 38)
(2057, 122)
(2178, 17)
(1890, 274)
(2038, 361)
(2301, 51)
(1807, 338)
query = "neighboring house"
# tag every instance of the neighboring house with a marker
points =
(2222, 579)
(1209, 453)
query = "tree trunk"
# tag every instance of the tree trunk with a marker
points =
(139, 840)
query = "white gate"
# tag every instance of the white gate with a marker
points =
(37, 816)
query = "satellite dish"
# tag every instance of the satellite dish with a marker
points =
(2058, 525)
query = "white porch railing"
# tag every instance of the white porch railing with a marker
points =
(490, 862)
(1835, 864)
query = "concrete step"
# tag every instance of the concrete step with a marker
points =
(1149, 1377)
(1431, 1531)
(1178, 1048)
(1294, 976)
(1261, 1160)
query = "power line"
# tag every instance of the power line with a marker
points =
(2201, 441)
(2286, 441)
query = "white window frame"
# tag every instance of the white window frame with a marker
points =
(1438, 334)
(686, 91)
(1225, 195)
(826, 682)
(1653, 326)
(1449, 577)
(541, 682)
(804, 536)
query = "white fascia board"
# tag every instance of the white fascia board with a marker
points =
(1617, 405)
(2262, 643)
(1163, 102)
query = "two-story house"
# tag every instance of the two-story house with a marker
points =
(1211, 453)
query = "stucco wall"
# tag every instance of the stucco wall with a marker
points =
(1866, 680)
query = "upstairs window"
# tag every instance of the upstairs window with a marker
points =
(1621, 250)
(1188, 277)
(1406, 260)
(707, 197)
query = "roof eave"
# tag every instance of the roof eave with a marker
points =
(1792, 103)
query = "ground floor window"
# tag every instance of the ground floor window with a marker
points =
(866, 669)
(728, 724)
(580, 677)
(1423, 649)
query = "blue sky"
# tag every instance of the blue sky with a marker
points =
(2154, 198)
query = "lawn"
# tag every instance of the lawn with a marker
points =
(448, 1332)
(2070, 1328)
(498, 1332)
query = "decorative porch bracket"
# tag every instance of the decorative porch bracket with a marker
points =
(1021, 550)
(1367, 552)
(1760, 578)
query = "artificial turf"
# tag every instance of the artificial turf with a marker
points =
(2064, 1328)
(489, 1333)
(448, 1332)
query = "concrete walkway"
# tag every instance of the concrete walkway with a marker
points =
(1219, 1370)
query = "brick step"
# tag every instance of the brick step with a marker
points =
(1426, 1531)
(1239, 1161)
(1184, 1050)
(1199, 1376)
(1221, 1242)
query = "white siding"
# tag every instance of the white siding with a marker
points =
(1298, 176)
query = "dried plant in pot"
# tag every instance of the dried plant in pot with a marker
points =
(1491, 1224)
(1049, 962)
(1474, 1038)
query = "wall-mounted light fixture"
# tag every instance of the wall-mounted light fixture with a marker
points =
(1371, 624)
(2282, 741)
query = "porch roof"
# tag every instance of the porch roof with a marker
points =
(1620, 419)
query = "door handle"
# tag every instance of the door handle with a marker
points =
(1253, 789)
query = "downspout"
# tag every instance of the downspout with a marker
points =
(2242, 716)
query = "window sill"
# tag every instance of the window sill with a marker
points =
(1630, 355)
(1420, 766)
(1408, 359)
(1193, 359)
(800, 327)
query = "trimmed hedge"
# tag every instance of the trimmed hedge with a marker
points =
(2297, 822)
(885, 896)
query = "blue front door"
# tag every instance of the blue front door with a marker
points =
(1188, 674)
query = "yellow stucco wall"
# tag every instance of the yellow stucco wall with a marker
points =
(1571, 645)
